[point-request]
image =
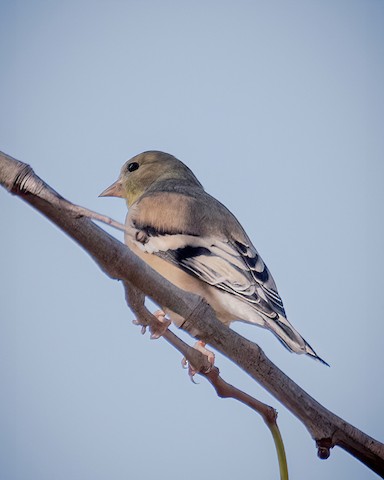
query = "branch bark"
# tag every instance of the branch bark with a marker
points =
(118, 262)
(201, 364)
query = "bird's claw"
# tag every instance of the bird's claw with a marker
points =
(162, 325)
(158, 329)
(200, 346)
(143, 327)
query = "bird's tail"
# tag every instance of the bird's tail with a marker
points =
(291, 338)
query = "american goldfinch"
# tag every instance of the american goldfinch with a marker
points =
(196, 243)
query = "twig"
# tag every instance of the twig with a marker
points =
(85, 212)
(135, 300)
(269, 414)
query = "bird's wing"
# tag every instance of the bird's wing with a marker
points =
(226, 266)
(208, 242)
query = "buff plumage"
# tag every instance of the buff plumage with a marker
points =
(196, 243)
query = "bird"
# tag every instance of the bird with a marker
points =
(196, 243)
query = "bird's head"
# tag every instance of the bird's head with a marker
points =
(143, 171)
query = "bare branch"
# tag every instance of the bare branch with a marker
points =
(117, 261)
(200, 363)
(269, 414)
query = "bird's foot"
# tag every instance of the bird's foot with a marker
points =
(161, 326)
(158, 328)
(200, 346)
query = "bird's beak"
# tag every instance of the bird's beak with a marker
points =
(114, 190)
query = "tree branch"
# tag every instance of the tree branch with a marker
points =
(117, 261)
(200, 363)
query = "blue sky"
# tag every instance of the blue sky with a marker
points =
(278, 109)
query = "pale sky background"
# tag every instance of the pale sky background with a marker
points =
(278, 109)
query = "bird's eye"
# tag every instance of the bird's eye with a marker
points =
(133, 166)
